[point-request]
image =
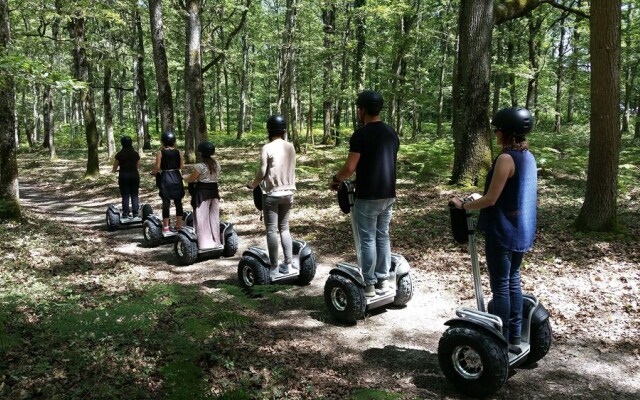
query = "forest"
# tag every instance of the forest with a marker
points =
(88, 312)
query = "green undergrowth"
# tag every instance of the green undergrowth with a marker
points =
(76, 323)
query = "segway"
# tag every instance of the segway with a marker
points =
(116, 221)
(152, 230)
(473, 354)
(254, 266)
(344, 289)
(186, 246)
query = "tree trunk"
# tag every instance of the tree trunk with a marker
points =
(290, 106)
(9, 192)
(329, 28)
(629, 76)
(244, 87)
(472, 143)
(141, 91)
(532, 85)
(344, 74)
(120, 97)
(560, 76)
(227, 99)
(573, 73)
(599, 210)
(497, 76)
(35, 132)
(512, 76)
(358, 62)
(108, 113)
(196, 130)
(87, 101)
(219, 100)
(161, 66)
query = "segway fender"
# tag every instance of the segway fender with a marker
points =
(301, 248)
(540, 314)
(189, 232)
(155, 220)
(401, 264)
(224, 227)
(478, 325)
(260, 256)
(348, 273)
(113, 209)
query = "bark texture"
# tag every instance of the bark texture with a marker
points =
(162, 68)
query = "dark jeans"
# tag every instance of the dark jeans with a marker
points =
(166, 204)
(129, 188)
(504, 275)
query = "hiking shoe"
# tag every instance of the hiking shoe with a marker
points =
(370, 291)
(284, 269)
(384, 286)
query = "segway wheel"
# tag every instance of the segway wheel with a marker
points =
(230, 243)
(404, 290)
(252, 273)
(344, 299)
(146, 211)
(186, 250)
(113, 220)
(152, 234)
(307, 270)
(474, 362)
(540, 341)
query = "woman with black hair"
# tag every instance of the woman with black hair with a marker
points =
(168, 179)
(127, 161)
(205, 198)
(508, 216)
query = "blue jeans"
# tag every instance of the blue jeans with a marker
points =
(504, 276)
(276, 219)
(372, 218)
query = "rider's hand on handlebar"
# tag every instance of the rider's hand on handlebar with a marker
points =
(455, 202)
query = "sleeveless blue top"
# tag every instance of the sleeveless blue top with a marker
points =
(512, 220)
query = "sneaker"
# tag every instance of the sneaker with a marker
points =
(370, 291)
(273, 272)
(166, 229)
(384, 286)
(284, 269)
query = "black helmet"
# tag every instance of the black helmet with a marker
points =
(371, 101)
(168, 138)
(126, 141)
(276, 123)
(206, 148)
(513, 121)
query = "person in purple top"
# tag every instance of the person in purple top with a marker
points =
(508, 215)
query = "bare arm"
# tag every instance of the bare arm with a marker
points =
(504, 169)
(349, 166)
(115, 166)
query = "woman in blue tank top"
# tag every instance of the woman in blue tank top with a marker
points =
(508, 215)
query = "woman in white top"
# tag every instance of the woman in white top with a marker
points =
(278, 179)
(205, 198)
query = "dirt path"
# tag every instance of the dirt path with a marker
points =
(393, 349)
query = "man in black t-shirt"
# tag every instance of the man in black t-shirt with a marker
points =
(373, 151)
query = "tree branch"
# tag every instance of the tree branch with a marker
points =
(512, 9)
(233, 33)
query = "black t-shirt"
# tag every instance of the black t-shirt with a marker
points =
(170, 159)
(378, 146)
(128, 161)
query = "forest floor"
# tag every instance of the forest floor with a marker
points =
(89, 313)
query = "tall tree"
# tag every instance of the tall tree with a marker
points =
(82, 71)
(329, 29)
(140, 89)
(161, 66)
(470, 124)
(244, 87)
(196, 126)
(599, 210)
(9, 195)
